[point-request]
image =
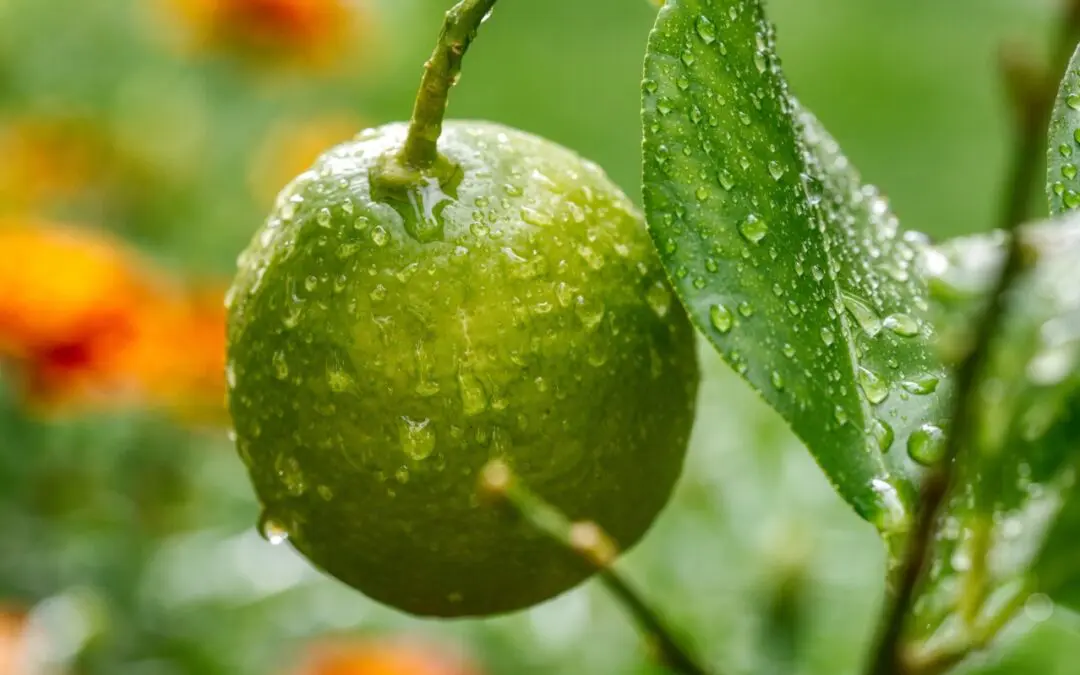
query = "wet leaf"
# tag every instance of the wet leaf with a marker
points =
(795, 271)
(1063, 149)
(1010, 530)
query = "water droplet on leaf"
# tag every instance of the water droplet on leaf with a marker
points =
(901, 324)
(926, 445)
(863, 314)
(720, 317)
(875, 389)
(753, 229)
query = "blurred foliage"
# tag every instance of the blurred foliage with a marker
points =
(128, 544)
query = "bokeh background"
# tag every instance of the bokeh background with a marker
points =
(141, 143)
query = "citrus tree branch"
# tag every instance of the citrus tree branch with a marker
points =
(440, 74)
(589, 541)
(1033, 105)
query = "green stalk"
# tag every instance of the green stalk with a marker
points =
(440, 74)
(588, 540)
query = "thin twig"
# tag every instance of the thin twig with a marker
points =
(1033, 113)
(589, 541)
(440, 74)
(941, 660)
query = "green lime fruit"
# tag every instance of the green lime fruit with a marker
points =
(385, 345)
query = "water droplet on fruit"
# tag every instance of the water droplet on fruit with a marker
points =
(288, 471)
(322, 217)
(534, 217)
(591, 257)
(417, 437)
(281, 368)
(420, 207)
(659, 299)
(379, 236)
(271, 530)
(474, 399)
(589, 312)
(827, 336)
(337, 379)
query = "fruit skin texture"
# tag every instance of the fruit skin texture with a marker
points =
(377, 363)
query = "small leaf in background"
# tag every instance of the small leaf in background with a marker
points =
(1006, 537)
(1063, 150)
(796, 272)
(1004, 540)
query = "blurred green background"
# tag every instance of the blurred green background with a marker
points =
(129, 538)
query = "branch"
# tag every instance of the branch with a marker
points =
(1033, 112)
(588, 540)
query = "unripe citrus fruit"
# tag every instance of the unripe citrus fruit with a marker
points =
(378, 362)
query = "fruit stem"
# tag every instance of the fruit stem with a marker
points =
(591, 543)
(440, 74)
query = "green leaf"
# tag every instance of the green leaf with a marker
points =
(1062, 181)
(795, 271)
(1006, 534)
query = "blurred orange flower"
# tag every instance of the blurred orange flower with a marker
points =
(291, 147)
(12, 629)
(313, 32)
(86, 323)
(382, 657)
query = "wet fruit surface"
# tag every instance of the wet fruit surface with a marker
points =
(381, 352)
